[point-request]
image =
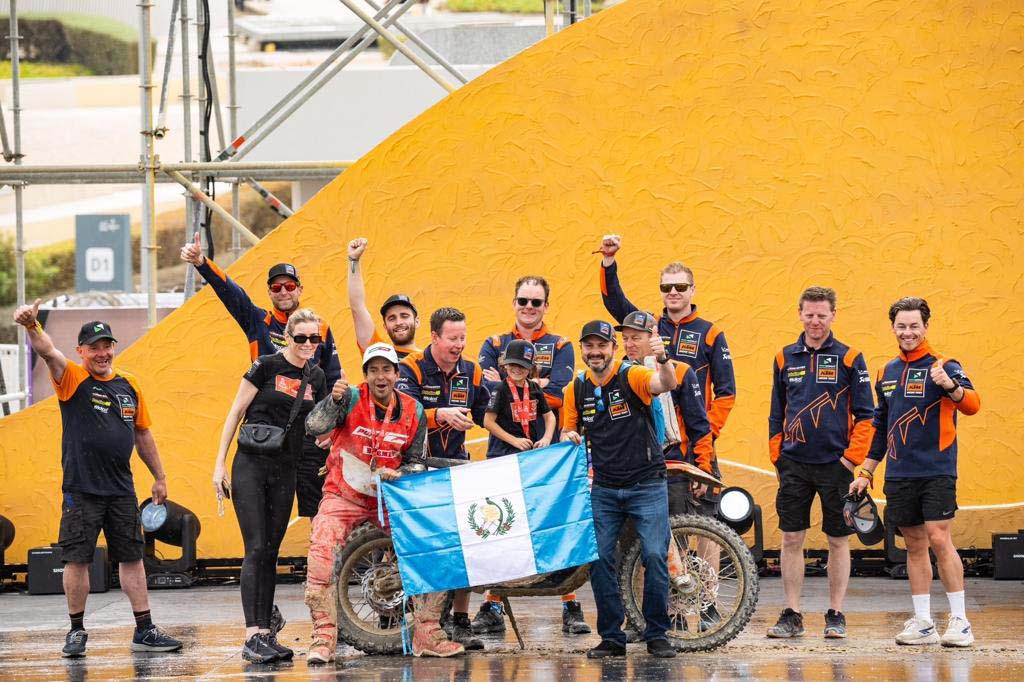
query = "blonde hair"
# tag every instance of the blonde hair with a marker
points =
(672, 268)
(298, 317)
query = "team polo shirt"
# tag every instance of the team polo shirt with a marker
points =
(420, 377)
(821, 404)
(555, 360)
(265, 329)
(401, 351)
(620, 431)
(915, 420)
(693, 340)
(99, 416)
(277, 383)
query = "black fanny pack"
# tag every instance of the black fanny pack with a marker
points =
(267, 439)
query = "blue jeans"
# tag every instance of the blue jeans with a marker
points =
(647, 504)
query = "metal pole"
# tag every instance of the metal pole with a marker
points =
(147, 247)
(225, 168)
(587, 9)
(186, 100)
(236, 242)
(19, 235)
(8, 154)
(338, 51)
(366, 41)
(202, 197)
(549, 17)
(215, 96)
(416, 40)
(398, 44)
(161, 117)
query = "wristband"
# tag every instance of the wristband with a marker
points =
(34, 327)
(864, 473)
(951, 391)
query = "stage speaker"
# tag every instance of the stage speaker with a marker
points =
(1008, 556)
(46, 570)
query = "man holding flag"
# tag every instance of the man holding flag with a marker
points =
(375, 431)
(611, 406)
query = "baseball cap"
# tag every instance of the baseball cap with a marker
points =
(91, 332)
(598, 328)
(519, 352)
(861, 515)
(380, 350)
(282, 269)
(638, 320)
(398, 299)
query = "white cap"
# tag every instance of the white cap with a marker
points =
(380, 350)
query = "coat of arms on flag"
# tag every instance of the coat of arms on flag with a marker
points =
(486, 522)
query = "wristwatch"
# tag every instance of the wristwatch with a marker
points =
(662, 360)
(956, 385)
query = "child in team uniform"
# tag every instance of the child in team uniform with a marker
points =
(518, 417)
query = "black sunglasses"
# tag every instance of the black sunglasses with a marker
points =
(535, 302)
(678, 286)
(600, 400)
(303, 338)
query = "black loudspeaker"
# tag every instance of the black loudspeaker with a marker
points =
(1008, 556)
(46, 571)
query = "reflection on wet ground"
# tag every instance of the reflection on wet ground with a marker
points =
(208, 620)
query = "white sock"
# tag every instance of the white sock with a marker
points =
(922, 606)
(956, 604)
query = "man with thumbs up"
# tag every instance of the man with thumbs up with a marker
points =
(919, 394)
(265, 332)
(104, 418)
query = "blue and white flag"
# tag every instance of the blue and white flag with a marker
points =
(486, 522)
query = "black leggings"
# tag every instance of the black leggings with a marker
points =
(262, 489)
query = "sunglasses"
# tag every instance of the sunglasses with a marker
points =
(303, 338)
(287, 286)
(678, 286)
(535, 302)
(598, 393)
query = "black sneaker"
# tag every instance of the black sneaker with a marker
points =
(660, 648)
(462, 632)
(490, 618)
(283, 652)
(74, 644)
(606, 649)
(790, 624)
(258, 650)
(709, 618)
(154, 639)
(572, 619)
(835, 625)
(277, 621)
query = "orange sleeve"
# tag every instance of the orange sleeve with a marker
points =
(860, 441)
(705, 453)
(570, 417)
(142, 419)
(431, 417)
(373, 339)
(719, 412)
(775, 447)
(639, 379)
(74, 375)
(970, 403)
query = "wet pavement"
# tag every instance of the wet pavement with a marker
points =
(208, 620)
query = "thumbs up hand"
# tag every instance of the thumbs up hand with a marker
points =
(940, 377)
(193, 251)
(27, 315)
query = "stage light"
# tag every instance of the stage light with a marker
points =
(736, 509)
(171, 524)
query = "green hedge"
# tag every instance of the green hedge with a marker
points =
(104, 46)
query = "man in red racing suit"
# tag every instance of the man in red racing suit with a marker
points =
(374, 430)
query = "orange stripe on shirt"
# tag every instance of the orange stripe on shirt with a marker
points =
(775, 447)
(604, 282)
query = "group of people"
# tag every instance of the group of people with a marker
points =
(313, 435)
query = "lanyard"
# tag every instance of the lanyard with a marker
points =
(521, 406)
(377, 437)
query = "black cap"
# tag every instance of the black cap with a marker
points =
(519, 352)
(638, 320)
(282, 270)
(398, 299)
(598, 328)
(861, 515)
(91, 332)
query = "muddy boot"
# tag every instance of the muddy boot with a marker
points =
(490, 618)
(572, 619)
(321, 649)
(428, 639)
(462, 632)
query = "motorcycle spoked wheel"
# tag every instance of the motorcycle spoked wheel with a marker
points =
(733, 588)
(370, 593)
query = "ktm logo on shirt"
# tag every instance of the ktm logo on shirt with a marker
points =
(827, 370)
(688, 344)
(915, 383)
(459, 396)
(290, 386)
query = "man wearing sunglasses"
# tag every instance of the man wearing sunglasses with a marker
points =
(398, 313)
(554, 361)
(265, 332)
(610, 405)
(688, 338)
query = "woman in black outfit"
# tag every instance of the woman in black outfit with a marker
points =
(262, 486)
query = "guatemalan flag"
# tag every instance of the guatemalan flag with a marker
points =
(486, 522)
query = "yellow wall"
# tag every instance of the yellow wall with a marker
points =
(872, 147)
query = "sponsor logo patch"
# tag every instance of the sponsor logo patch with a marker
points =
(127, 406)
(688, 343)
(915, 383)
(458, 396)
(545, 354)
(827, 370)
(618, 408)
(290, 386)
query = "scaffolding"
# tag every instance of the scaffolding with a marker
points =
(225, 164)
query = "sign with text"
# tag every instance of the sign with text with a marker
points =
(103, 254)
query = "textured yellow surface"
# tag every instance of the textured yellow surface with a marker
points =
(872, 147)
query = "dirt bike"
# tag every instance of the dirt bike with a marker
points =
(712, 575)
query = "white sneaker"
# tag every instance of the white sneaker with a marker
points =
(958, 632)
(918, 631)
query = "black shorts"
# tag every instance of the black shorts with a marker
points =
(799, 482)
(84, 516)
(912, 501)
